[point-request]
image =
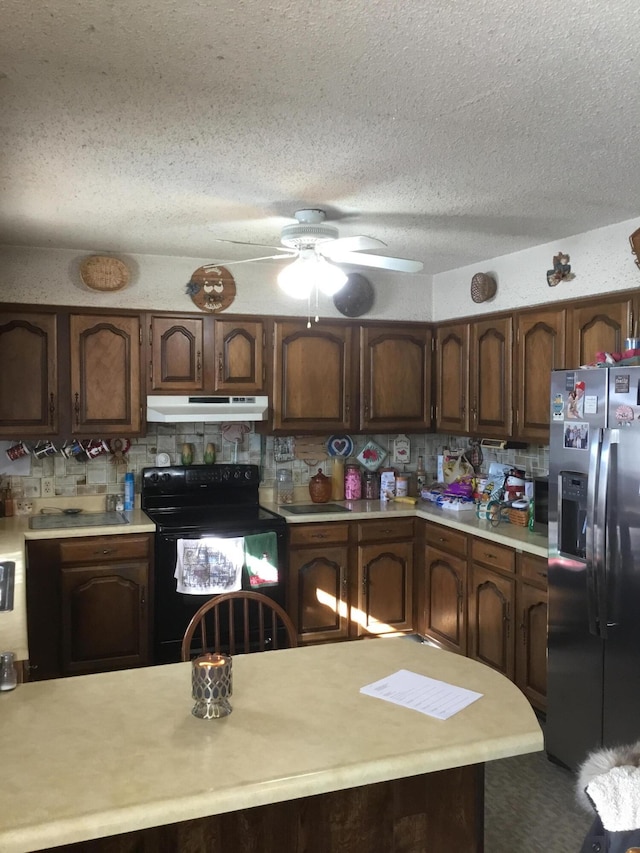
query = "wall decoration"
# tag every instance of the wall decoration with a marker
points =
(561, 270)
(356, 297)
(372, 456)
(634, 239)
(483, 287)
(104, 274)
(401, 450)
(211, 288)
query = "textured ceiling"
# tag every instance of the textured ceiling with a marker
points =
(453, 131)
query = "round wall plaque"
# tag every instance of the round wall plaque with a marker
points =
(212, 288)
(356, 297)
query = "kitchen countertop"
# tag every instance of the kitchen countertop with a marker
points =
(512, 535)
(94, 755)
(15, 532)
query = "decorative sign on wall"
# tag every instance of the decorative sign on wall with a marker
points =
(212, 288)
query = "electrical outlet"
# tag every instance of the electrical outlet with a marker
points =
(48, 487)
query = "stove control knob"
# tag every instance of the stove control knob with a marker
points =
(154, 478)
(166, 478)
(237, 474)
(226, 474)
(247, 475)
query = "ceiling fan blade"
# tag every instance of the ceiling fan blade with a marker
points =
(378, 261)
(349, 244)
(245, 243)
(252, 260)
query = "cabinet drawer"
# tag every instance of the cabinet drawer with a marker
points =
(447, 539)
(533, 569)
(381, 530)
(101, 548)
(312, 534)
(490, 554)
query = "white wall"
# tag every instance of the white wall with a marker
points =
(51, 276)
(601, 260)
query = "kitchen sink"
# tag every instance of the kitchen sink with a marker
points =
(308, 509)
(82, 519)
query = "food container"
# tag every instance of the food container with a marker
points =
(370, 486)
(352, 482)
(320, 488)
(284, 487)
(387, 484)
(402, 486)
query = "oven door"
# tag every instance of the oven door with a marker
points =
(173, 610)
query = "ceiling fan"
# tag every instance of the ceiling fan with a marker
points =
(311, 243)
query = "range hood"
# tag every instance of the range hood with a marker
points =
(170, 410)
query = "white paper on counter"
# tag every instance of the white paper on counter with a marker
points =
(420, 693)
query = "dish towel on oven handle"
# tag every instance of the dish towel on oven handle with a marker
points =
(261, 559)
(209, 566)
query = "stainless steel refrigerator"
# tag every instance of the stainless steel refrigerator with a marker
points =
(594, 562)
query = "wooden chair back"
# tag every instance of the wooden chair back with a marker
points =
(239, 623)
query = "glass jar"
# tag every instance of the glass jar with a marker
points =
(284, 486)
(8, 675)
(370, 486)
(352, 482)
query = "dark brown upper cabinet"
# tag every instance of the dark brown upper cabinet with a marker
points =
(313, 377)
(105, 374)
(29, 395)
(452, 378)
(491, 375)
(395, 377)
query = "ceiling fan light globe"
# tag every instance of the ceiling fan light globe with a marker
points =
(330, 279)
(295, 280)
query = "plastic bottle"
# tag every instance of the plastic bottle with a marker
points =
(128, 491)
(532, 515)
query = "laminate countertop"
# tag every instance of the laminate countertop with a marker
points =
(95, 755)
(512, 535)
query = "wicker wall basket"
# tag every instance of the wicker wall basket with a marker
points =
(103, 273)
(483, 287)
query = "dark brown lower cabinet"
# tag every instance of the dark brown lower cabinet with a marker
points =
(531, 635)
(491, 605)
(88, 604)
(351, 580)
(445, 609)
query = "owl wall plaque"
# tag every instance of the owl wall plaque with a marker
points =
(211, 288)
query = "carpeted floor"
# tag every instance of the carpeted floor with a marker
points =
(530, 805)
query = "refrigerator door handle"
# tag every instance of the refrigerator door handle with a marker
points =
(590, 539)
(600, 535)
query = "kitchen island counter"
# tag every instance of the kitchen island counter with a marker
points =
(97, 755)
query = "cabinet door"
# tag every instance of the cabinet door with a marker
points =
(313, 377)
(105, 375)
(384, 600)
(531, 650)
(490, 361)
(597, 327)
(239, 356)
(540, 345)
(395, 378)
(29, 403)
(491, 599)
(445, 619)
(104, 617)
(452, 378)
(176, 354)
(318, 584)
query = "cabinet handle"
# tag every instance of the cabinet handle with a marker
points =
(366, 410)
(364, 580)
(318, 536)
(52, 408)
(347, 406)
(344, 581)
(143, 600)
(105, 552)
(198, 365)
(507, 620)
(490, 556)
(76, 408)
(220, 365)
(523, 626)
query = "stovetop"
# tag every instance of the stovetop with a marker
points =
(213, 519)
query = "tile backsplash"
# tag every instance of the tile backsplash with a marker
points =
(101, 476)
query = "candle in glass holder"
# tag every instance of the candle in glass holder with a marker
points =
(211, 686)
